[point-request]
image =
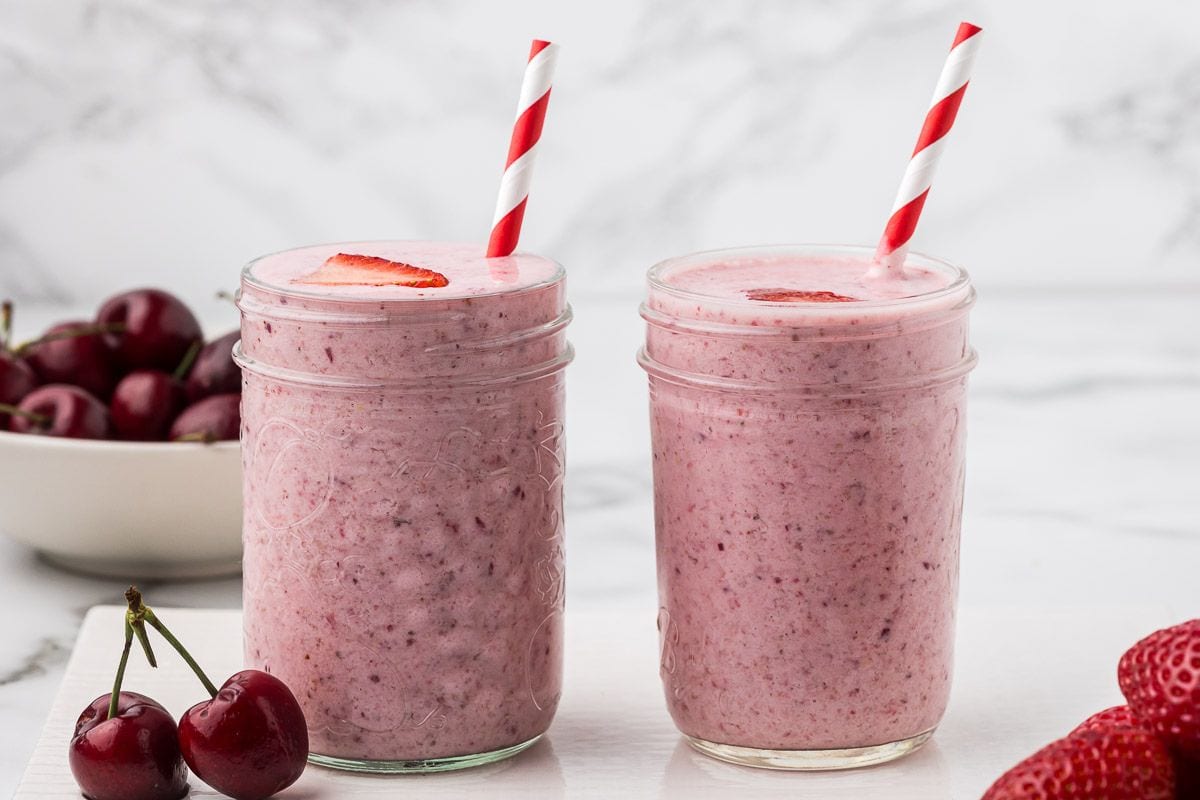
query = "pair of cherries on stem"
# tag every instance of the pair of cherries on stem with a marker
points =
(248, 741)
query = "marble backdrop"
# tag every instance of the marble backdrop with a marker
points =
(168, 141)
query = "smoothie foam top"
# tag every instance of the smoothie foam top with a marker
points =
(805, 284)
(776, 278)
(467, 271)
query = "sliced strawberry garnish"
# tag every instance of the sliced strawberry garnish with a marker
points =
(796, 296)
(1121, 763)
(345, 269)
(1160, 677)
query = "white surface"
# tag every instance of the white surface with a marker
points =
(152, 509)
(612, 736)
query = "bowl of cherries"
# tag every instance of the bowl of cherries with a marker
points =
(118, 441)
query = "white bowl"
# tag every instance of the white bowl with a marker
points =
(124, 509)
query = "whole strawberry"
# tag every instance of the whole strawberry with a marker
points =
(1187, 778)
(1160, 677)
(1187, 773)
(1109, 719)
(1115, 763)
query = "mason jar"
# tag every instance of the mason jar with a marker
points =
(808, 452)
(403, 526)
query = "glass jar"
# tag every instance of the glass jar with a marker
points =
(403, 462)
(808, 483)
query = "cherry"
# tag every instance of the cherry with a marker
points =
(126, 746)
(73, 352)
(145, 403)
(130, 753)
(250, 741)
(212, 419)
(60, 410)
(155, 328)
(214, 371)
(17, 379)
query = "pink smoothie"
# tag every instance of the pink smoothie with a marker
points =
(808, 466)
(403, 456)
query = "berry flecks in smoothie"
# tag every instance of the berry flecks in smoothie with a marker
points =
(346, 269)
(796, 296)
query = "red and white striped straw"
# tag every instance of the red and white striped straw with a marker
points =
(518, 170)
(914, 188)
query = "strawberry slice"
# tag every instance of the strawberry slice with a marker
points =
(345, 269)
(1160, 677)
(1119, 763)
(796, 296)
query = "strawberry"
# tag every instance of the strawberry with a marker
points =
(1115, 764)
(1109, 718)
(1188, 779)
(345, 269)
(796, 296)
(1160, 677)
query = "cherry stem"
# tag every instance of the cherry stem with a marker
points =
(71, 333)
(189, 358)
(144, 612)
(6, 314)
(228, 297)
(37, 419)
(116, 690)
(136, 620)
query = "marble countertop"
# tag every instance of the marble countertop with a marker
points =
(1084, 462)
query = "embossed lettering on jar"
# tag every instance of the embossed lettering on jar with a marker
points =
(403, 481)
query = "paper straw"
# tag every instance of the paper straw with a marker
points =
(518, 170)
(914, 188)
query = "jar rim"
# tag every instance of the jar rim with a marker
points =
(657, 283)
(422, 384)
(248, 278)
(827, 391)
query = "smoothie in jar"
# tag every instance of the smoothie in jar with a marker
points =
(403, 459)
(808, 431)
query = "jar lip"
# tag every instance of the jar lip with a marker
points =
(248, 278)
(526, 373)
(829, 391)
(657, 284)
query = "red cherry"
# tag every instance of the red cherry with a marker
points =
(72, 352)
(156, 328)
(214, 371)
(133, 756)
(61, 410)
(250, 741)
(212, 419)
(17, 379)
(145, 403)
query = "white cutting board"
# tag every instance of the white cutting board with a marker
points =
(1024, 676)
